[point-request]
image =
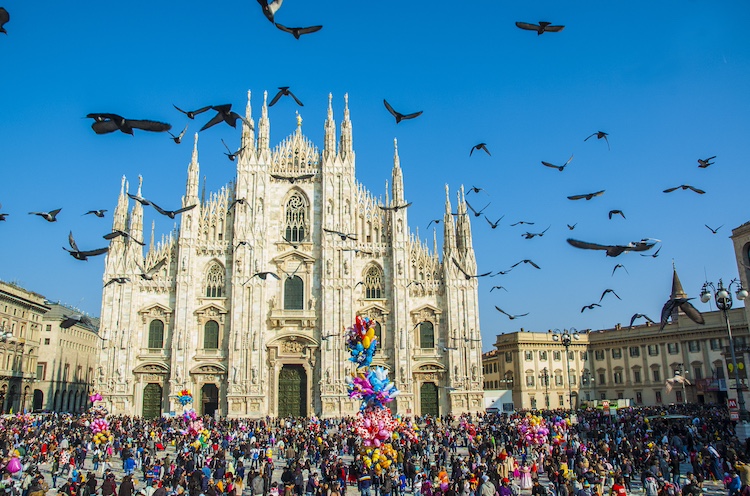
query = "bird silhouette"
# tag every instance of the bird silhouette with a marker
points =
(493, 225)
(242, 243)
(616, 212)
(590, 307)
(703, 163)
(178, 139)
(511, 317)
(79, 254)
(587, 196)
(98, 213)
(3, 217)
(150, 274)
(521, 222)
(264, 275)
(172, 213)
(224, 113)
(395, 208)
(71, 320)
(620, 266)
(50, 216)
(541, 28)
(116, 233)
(609, 291)
(139, 199)
(529, 235)
(480, 146)
(466, 340)
(343, 236)
(269, 9)
(639, 316)
(558, 167)
(501, 272)
(599, 135)
(231, 156)
(297, 32)
(467, 275)
(290, 242)
(614, 250)
(433, 221)
(284, 91)
(327, 336)
(526, 261)
(293, 179)
(684, 305)
(105, 123)
(117, 280)
(714, 231)
(572, 227)
(357, 250)
(475, 212)
(4, 18)
(684, 187)
(474, 189)
(652, 255)
(415, 283)
(398, 115)
(242, 201)
(498, 287)
(192, 113)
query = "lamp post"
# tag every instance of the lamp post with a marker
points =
(544, 377)
(566, 337)
(723, 298)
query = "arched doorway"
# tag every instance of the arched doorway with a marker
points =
(428, 399)
(38, 403)
(292, 391)
(210, 399)
(152, 401)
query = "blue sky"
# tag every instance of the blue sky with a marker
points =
(667, 80)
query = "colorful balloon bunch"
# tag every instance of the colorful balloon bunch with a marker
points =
(95, 397)
(533, 430)
(189, 415)
(379, 459)
(185, 397)
(373, 388)
(375, 426)
(99, 425)
(361, 341)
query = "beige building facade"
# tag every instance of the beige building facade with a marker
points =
(21, 313)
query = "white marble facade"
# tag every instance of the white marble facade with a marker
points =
(204, 322)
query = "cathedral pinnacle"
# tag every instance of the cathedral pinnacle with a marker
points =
(299, 121)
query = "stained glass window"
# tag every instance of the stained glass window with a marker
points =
(373, 283)
(215, 281)
(296, 219)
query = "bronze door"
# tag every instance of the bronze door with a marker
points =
(151, 401)
(428, 398)
(292, 391)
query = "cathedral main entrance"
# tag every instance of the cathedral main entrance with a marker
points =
(210, 399)
(292, 391)
(428, 399)
(151, 401)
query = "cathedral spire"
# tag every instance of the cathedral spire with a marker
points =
(449, 232)
(397, 176)
(345, 145)
(191, 191)
(119, 219)
(151, 245)
(248, 126)
(264, 125)
(329, 149)
(136, 217)
(465, 231)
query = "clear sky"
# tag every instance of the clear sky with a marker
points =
(669, 81)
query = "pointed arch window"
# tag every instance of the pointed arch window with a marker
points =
(294, 293)
(374, 283)
(296, 218)
(211, 335)
(426, 335)
(215, 281)
(156, 335)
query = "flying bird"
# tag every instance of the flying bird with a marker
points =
(639, 316)
(297, 32)
(105, 123)
(474, 189)
(705, 163)
(264, 275)
(395, 208)
(50, 216)
(616, 212)
(269, 9)
(242, 243)
(511, 317)
(713, 230)
(684, 305)
(653, 255)
(415, 283)
(684, 187)
(343, 236)
(526, 261)
(477, 213)
(398, 115)
(558, 167)
(599, 135)
(498, 287)
(3, 216)
(614, 250)
(290, 242)
(357, 250)
(469, 340)
(243, 201)
(172, 213)
(4, 17)
(327, 336)
(493, 225)
(590, 307)
(139, 199)
(231, 156)
(620, 266)
(98, 213)
(117, 233)
(480, 146)
(465, 273)
(572, 227)
(434, 221)
(587, 196)
(501, 272)
(192, 113)
(82, 255)
(293, 179)
(224, 113)
(150, 274)
(71, 320)
(609, 291)
(541, 28)
(529, 235)
(178, 139)
(117, 280)
(522, 222)
(284, 91)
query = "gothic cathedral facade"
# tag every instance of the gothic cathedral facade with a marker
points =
(204, 309)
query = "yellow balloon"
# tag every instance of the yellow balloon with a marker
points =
(370, 333)
(366, 342)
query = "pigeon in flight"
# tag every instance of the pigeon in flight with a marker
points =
(684, 305)
(98, 213)
(526, 261)
(343, 236)
(105, 123)
(475, 212)
(541, 28)
(493, 225)
(293, 179)
(4, 17)
(558, 167)
(231, 156)
(614, 250)
(572, 227)
(117, 233)
(652, 255)
(714, 231)
(609, 291)
(434, 221)
(50, 216)
(587, 196)
(684, 187)
(3, 217)
(511, 317)
(357, 250)
(480, 146)
(172, 213)
(398, 115)
(590, 307)
(616, 212)
(269, 9)
(327, 336)
(620, 266)
(224, 113)
(150, 274)
(243, 201)
(178, 139)
(284, 91)
(522, 222)
(395, 208)
(117, 280)
(501, 272)
(703, 163)
(264, 275)
(71, 320)
(474, 189)
(498, 287)
(139, 199)
(529, 235)
(465, 273)
(82, 255)
(640, 316)
(297, 32)
(192, 113)
(599, 135)
(415, 283)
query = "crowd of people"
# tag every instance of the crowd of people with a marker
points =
(633, 449)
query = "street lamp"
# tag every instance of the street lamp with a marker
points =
(566, 337)
(544, 378)
(723, 298)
